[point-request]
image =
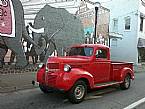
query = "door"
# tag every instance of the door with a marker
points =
(101, 66)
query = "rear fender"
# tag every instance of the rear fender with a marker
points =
(126, 71)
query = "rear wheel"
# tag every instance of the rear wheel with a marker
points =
(126, 83)
(77, 92)
(45, 89)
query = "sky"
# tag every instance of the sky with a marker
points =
(71, 10)
(48, 0)
(101, 1)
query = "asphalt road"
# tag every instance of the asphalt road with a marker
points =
(108, 98)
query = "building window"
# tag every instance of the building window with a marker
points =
(141, 23)
(127, 23)
(115, 25)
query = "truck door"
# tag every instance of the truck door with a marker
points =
(102, 65)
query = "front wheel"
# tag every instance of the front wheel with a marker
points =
(77, 92)
(126, 83)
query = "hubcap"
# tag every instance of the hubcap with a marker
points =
(127, 81)
(79, 92)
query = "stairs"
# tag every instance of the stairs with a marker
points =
(139, 68)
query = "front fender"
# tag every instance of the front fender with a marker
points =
(126, 71)
(41, 75)
(69, 78)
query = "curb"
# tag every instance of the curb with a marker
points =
(139, 71)
(15, 89)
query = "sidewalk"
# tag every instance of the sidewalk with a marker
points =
(15, 82)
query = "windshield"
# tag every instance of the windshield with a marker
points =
(82, 51)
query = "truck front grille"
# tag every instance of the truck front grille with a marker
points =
(53, 66)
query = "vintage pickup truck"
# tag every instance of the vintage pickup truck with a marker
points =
(86, 66)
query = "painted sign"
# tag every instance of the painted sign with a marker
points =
(87, 17)
(88, 20)
(7, 20)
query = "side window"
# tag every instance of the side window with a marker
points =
(101, 53)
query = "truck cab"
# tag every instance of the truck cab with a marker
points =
(86, 66)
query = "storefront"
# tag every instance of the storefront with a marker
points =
(141, 50)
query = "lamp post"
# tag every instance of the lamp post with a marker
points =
(97, 5)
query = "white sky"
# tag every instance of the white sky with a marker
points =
(100, 0)
(48, 0)
(71, 10)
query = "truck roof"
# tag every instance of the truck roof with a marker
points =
(91, 45)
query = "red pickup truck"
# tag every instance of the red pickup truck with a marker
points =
(86, 66)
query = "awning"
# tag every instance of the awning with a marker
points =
(141, 43)
(115, 35)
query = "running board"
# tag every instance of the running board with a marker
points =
(106, 84)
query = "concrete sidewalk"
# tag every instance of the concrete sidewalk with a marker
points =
(15, 82)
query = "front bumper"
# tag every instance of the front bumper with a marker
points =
(35, 83)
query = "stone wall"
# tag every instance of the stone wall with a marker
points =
(10, 69)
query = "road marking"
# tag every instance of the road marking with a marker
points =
(86, 98)
(92, 97)
(104, 91)
(135, 104)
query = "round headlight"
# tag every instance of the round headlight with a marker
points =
(67, 68)
(40, 65)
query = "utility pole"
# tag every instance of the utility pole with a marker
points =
(97, 5)
(95, 29)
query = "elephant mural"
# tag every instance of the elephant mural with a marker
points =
(12, 29)
(54, 28)
(57, 29)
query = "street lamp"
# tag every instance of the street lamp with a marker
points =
(97, 5)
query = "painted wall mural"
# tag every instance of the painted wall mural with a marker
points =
(54, 29)
(61, 29)
(12, 30)
(7, 20)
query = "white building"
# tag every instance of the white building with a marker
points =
(127, 29)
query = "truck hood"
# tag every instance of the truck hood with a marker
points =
(69, 59)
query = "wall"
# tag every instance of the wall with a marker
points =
(59, 29)
(125, 49)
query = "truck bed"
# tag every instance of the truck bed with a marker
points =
(120, 65)
(117, 67)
